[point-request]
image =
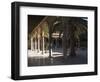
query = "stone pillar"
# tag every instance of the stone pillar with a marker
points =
(42, 42)
(32, 47)
(56, 43)
(35, 44)
(50, 41)
(38, 42)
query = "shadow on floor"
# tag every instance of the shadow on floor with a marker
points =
(58, 60)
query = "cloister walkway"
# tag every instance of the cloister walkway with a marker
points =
(36, 59)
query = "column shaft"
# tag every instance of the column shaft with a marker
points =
(32, 48)
(42, 42)
(35, 44)
(38, 43)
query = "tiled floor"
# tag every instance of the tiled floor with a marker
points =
(36, 59)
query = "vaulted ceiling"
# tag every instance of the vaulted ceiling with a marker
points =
(33, 21)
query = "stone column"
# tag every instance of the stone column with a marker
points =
(32, 48)
(42, 42)
(56, 43)
(50, 41)
(38, 42)
(35, 44)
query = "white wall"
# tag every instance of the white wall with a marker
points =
(5, 40)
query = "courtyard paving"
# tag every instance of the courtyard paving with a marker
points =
(37, 59)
